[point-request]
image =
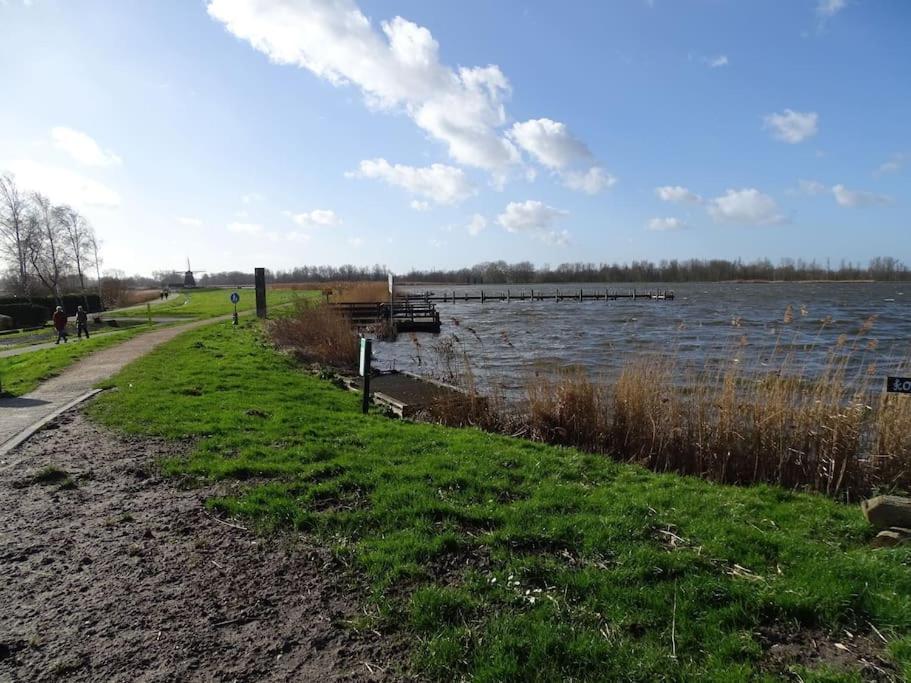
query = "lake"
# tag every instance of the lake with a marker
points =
(507, 342)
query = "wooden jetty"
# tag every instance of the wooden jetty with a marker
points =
(581, 294)
(405, 393)
(405, 316)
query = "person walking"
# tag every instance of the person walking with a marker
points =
(60, 325)
(82, 322)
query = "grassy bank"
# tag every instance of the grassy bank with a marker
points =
(211, 303)
(23, 373)
(505, 559)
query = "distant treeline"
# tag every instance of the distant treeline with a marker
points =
(499, 272)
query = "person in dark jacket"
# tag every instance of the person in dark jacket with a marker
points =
(82, 322)
(60, 325)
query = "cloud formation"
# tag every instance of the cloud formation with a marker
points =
(747, 206)
(476, 225)
(858, 198)
(551, 144)
(245, 228)
(665, 224)
(676, 193)
(438, 182)
(895, 163)
(715, 62)
(536, 219)
(792, 126)
(829, 8)
(397, 67)
(63, 185)
(83, 148)
(189, 222)
(316, 218)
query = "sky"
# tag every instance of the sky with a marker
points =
(414, 134)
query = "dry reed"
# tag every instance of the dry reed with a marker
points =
(831, 433)
(316, 333)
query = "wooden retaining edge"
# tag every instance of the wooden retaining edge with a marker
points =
(27, 433)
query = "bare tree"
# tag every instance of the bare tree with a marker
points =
(46, 244)
(79, 236)
(96, 259)
(13, 216)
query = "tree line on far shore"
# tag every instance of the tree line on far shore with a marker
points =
(499, 272)
(47, 249)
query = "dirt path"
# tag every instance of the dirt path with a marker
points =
(110, 573)
(18, 414)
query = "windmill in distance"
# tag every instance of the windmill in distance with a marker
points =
(189, 281)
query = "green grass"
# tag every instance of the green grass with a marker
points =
(210, 303)
(506, 560)
(49, 334)
(20, 374)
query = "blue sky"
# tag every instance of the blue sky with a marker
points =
(417, 134)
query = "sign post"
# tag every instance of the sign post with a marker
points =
(235, 297)
(260, 280)
(898, 385)
(391, 300)
(366, 351)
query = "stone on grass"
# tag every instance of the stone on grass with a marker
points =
(887, 511)
(6, 322)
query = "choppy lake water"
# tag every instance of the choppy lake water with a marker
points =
(507, 342)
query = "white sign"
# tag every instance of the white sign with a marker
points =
(365, 357)
(390, 283)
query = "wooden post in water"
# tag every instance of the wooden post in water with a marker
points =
(507, 295)
(580, 294)
(482, 296)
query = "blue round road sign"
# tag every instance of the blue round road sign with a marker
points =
(235, 297)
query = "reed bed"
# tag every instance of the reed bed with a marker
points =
(316, 333)
(835, 432)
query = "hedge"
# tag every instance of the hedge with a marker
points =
(70, 302)
(25, 314)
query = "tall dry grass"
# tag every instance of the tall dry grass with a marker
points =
(316, 333)
(835, 432)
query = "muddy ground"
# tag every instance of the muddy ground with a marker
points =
(109, 572)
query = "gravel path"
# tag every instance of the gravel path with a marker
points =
(18, 414)
(110, 573)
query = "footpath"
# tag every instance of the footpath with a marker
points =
(21, 416)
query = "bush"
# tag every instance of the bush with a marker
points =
(25, 314)
(70, 302)
(317, 333)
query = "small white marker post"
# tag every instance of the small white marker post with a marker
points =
(366, 351)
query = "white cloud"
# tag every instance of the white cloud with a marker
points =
(476, 225)
(62, 185)
(318, 217)
(792, 126)
(189, 222)
(298, 237)
(356, 242)
(829, 8)
(715, 62)
(441, 183)
(858, 198)
(83, 148)
(748, 206)
(808, 188)
(536, 219)
(252, 198)
(591, 181)
(550, 143)
(665, 224)
(895, 163)
(419, 205)
(245, 228)
(676, 193)
(397, 67)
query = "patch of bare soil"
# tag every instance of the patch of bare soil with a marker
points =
(844, 652)
(109, 572)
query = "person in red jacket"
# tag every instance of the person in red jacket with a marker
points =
(60, 325)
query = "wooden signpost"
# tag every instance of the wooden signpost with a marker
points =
(260, 280)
